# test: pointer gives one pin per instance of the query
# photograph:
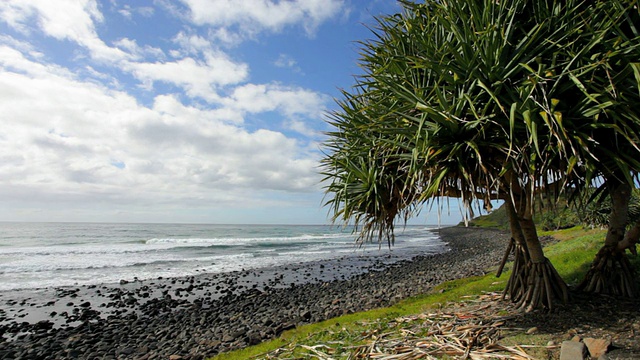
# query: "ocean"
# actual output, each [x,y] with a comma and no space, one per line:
[42,255]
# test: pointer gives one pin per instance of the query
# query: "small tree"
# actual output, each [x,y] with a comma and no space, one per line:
[485,99]
[455,102]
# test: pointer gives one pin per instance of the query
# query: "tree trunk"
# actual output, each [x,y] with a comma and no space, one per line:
[537,283]
[611,272]
[630,239]
[517,280]
[544,284]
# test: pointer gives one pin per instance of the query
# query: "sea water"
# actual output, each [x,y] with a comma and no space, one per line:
[38,255]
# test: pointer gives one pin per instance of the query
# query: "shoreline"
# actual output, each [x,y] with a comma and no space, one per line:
[58,304]
[199,316]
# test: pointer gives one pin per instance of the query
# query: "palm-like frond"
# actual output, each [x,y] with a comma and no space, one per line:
[456,95]
[364,177]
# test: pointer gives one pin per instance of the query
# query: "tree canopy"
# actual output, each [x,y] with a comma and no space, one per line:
[482,100]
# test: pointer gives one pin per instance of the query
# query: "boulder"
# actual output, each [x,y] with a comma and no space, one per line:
[573,350]
[597,347]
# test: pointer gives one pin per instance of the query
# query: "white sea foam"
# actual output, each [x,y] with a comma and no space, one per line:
[246,241]
[42,255]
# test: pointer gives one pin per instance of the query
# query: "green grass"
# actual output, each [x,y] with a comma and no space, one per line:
[496,219]
[349,328]
[560,216]
[571,256]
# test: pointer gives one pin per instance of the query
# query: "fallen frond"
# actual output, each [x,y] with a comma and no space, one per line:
[467,333]
[471,329]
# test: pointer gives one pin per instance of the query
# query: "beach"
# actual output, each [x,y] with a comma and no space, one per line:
[198,316]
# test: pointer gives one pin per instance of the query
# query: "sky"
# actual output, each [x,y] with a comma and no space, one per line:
[183,111]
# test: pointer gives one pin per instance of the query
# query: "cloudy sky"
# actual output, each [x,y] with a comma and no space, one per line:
[171,110]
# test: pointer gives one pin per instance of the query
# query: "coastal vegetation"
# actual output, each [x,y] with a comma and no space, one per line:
[518,100]
[571,252]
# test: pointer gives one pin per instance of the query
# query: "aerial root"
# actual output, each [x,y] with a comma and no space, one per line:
[536,285]
[517,280]
[512,243]
[610,273]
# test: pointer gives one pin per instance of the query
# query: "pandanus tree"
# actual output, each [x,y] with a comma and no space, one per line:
[600,90]
[464,99]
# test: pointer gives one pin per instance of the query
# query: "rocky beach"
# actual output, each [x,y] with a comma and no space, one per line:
[199,316]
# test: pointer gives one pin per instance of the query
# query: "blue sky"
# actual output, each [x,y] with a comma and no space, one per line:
[200,111]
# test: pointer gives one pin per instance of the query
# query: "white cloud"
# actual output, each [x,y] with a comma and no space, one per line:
[286,61]
[139,52]
[128,11]
[63,20]
[23,46]
[226,36]
[14,60]
[146,11]
[256,98]
[192,44]
[302,127]
[16,14]
[65,139]
[77,134]
[198,78]
[251,16]
[198,69]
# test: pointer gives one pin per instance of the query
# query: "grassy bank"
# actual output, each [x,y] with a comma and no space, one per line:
[571,255]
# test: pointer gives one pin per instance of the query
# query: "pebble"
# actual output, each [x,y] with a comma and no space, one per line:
[161,324]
